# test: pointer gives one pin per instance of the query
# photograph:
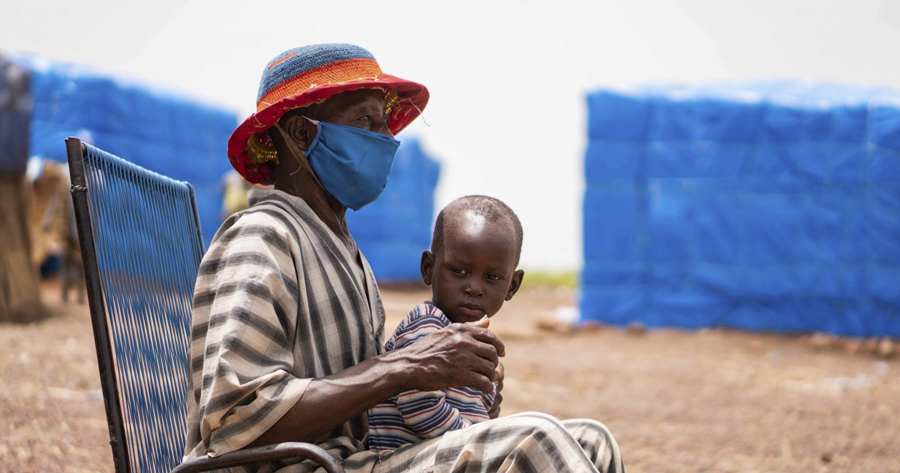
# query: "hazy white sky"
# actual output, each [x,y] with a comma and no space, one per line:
[507,78]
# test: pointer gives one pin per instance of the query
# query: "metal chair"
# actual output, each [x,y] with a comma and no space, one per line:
[141,245]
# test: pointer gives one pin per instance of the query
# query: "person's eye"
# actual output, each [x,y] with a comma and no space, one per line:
[458,271]
[492,277]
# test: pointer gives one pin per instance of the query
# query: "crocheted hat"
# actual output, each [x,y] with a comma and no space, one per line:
[307,75]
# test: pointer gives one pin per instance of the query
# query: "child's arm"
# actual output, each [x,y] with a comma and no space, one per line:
[429,414]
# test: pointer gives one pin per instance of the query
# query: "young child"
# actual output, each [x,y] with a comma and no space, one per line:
[471,269]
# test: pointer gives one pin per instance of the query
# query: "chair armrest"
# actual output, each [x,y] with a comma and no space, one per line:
[263,454]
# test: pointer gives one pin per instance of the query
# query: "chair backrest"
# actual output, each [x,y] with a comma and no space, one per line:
[141,245]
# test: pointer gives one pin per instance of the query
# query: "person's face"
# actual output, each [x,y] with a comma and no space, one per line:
[474,272]
[364,109]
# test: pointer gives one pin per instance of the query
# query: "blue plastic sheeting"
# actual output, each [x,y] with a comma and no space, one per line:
[16,105]
[171,135]
[394,230]
[767,206]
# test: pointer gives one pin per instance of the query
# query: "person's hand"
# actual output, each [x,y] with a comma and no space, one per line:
[460,355]
[494,411]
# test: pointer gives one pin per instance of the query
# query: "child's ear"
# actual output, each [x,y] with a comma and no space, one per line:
[515,283]
[427,267]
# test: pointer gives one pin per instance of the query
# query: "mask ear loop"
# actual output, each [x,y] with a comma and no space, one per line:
[421,114]
[298,154]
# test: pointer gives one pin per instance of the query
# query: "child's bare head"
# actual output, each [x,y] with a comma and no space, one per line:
[474,253]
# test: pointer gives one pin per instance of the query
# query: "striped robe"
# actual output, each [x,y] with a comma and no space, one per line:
[279,300]
[413,416]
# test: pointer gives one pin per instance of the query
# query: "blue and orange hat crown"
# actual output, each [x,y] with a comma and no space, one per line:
[310,74]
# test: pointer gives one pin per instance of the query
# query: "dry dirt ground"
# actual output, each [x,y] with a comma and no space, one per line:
[677,401]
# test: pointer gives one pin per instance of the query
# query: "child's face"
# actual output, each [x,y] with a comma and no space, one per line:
[474,272]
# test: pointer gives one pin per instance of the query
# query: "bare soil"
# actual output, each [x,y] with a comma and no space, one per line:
[677,401]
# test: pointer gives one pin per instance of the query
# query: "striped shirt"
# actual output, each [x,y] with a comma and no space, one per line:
[413,416]
[279,300]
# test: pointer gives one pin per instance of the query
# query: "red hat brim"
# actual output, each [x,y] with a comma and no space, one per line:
[412,100]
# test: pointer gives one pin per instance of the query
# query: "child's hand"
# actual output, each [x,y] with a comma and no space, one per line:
[494,410]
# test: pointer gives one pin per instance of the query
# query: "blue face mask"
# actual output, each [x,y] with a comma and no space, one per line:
[351,164]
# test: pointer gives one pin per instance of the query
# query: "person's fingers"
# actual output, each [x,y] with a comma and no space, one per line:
[486,336]
[484,366]
[487,352]
[483,384]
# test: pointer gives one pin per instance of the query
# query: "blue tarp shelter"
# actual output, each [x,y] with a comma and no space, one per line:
[157,130]
[766,206]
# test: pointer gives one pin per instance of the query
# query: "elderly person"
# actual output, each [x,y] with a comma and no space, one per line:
[287,319]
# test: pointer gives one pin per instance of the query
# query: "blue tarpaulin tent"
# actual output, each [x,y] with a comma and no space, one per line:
[766,206]
[157,130]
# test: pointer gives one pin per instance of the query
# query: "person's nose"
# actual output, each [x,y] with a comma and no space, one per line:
[384,127]
[474,288]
